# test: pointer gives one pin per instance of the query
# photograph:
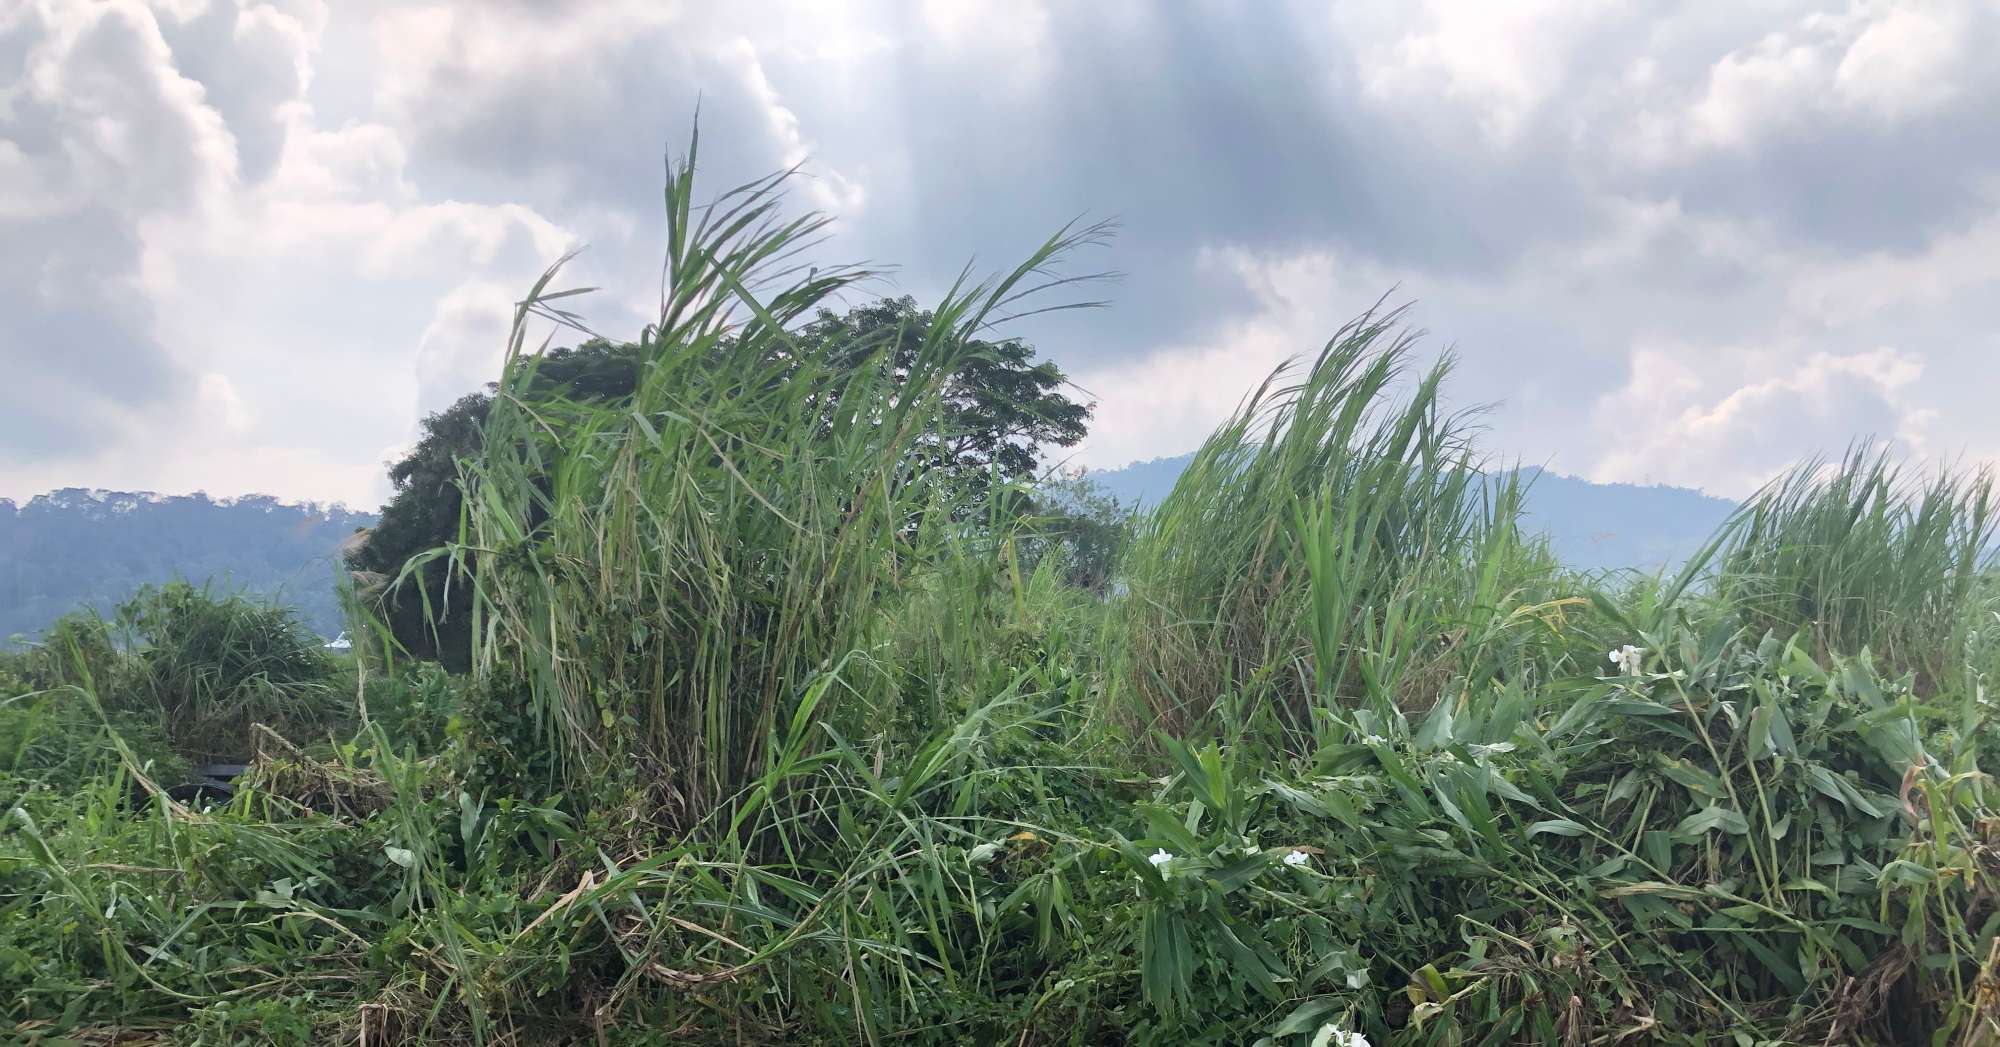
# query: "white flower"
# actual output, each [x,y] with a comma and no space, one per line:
[1297,858]
[1331,1035]
[1160,858]
[1628,659]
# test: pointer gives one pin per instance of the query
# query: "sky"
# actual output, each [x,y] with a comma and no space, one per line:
[247,245]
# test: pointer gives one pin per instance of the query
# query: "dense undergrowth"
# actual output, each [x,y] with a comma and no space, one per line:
[773,736]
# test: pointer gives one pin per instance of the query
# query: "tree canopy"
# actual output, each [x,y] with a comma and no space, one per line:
[423,513]
[1002,407]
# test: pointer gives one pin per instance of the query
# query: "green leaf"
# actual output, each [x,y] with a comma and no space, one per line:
[1700,781]
[1609,866]
[1710,819]
[1162,825]
[1760,732]
[1907,873]
[1307,1016]
[1659,848]
[1839,788]
[1239,872]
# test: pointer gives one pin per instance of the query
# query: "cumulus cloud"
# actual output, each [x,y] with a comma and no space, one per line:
[1686,244]
[1676,423]
[461,348]
[101,135]
[253,62]
[203,249]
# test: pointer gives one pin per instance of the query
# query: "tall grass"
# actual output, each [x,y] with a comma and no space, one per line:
[1859,554]
[665,580]
[1323,548]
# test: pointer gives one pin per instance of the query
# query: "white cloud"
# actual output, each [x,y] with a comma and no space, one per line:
[1670,242]
[1882,64]
[463,346]
[219,400]
[1842,289]
[829,188]
[1905,61]
[202,289]
[1677,422]
[1501,60]
[129,130]
[1749,91]
[1167,402]
[104,137]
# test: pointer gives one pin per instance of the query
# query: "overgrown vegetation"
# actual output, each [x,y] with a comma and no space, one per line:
[774,732]
[996,411]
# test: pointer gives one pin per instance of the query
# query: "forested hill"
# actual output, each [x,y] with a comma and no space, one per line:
[75,546]
[1591,526]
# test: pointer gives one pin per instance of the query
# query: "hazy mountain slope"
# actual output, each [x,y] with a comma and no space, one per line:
[74,547]
[1590,525]
[1593,525]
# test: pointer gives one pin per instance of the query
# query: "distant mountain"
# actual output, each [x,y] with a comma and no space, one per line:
[1590,526]
[1141,482]
[1594,526]
[77,547]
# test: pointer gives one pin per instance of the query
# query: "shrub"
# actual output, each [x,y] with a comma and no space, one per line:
[210,666]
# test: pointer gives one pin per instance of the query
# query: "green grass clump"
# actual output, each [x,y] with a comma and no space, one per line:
[178,676]
[210,666]
[1861,555]
[1331,545]
[666,578]
[775,736]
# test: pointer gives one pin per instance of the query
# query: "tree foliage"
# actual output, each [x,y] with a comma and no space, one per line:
[430,614]
[1001,408]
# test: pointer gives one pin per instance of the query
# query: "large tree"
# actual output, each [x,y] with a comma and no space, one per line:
[1002,408]
[423,513]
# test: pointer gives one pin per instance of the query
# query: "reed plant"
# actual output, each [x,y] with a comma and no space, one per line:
[665,579]
[1861,554]
[1333,544]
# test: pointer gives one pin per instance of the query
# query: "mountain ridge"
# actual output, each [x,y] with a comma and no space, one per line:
[83,546]
[92,547]
[1591,526]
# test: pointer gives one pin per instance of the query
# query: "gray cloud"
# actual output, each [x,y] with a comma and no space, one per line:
[76,341]
[96,133]
[250,62]
[1193,126]
[1769,198]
